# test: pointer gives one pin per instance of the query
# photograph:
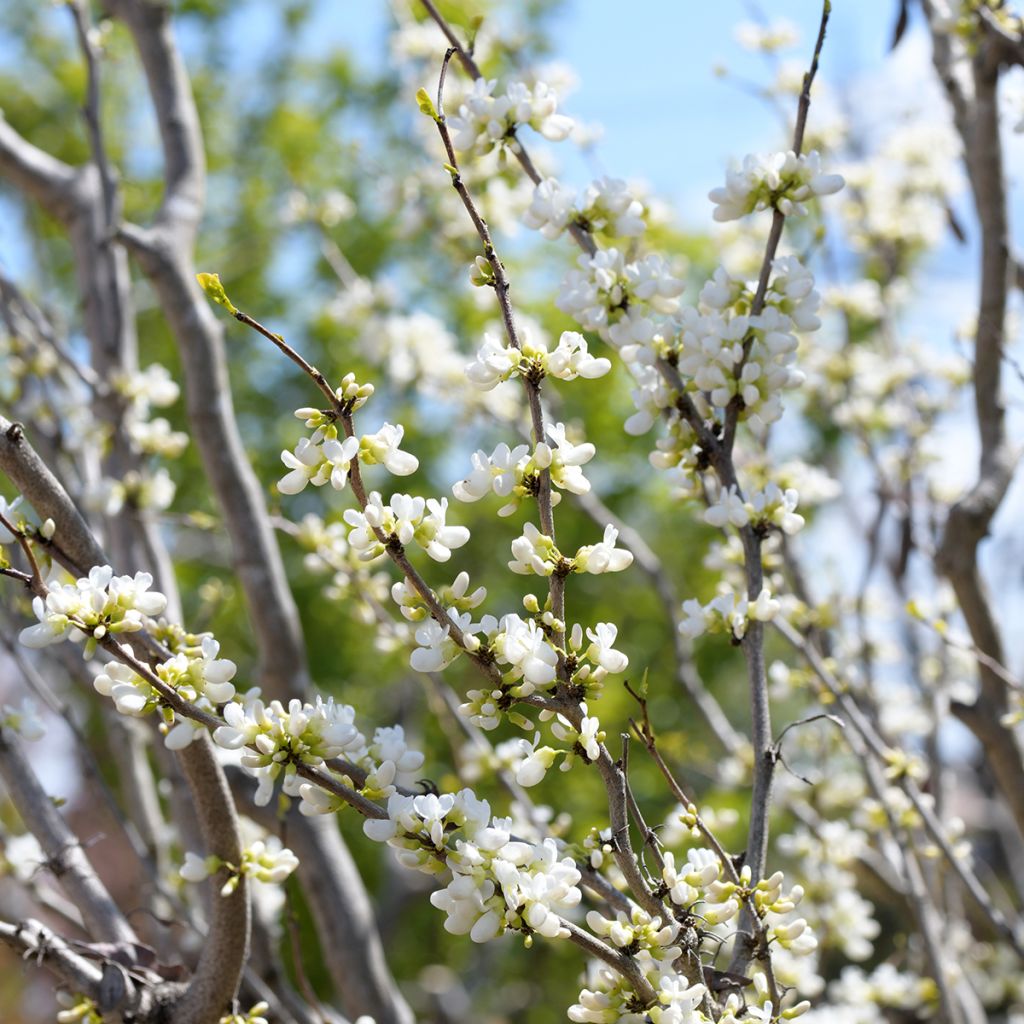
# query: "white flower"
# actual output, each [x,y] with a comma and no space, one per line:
[485,121]
[494,362]
[534,552]
[196,868]
[781,181]
[572,359]
[9,512]
[603,557]
[589,735]
[601,651]
[152,386]
[24,721]
[606,206]
[382,447]
[409,519]
[155,437]
[101,602]
[283,736]
[564,460]
[535,764]
[500,471]
[268,861]
[523,646]
[552,208]
[776,507]
[687,884]
[318,464]
[729,612]
[436,649]
[729,508]
[131,694]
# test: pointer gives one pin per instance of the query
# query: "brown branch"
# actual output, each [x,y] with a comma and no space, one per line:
[165,254]
[556,581]
[976,116]
[214,983]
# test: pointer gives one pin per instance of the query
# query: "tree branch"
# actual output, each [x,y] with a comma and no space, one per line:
[214,983]
[66,858]
[35,942]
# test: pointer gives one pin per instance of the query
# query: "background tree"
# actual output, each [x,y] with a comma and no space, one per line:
[822,743]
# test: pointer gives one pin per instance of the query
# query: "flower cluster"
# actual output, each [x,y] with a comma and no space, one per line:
[608,999]
[770,507]
[23,721]
[277,737]
[729,612]
[614,297]
[840,916]
[606,206]
[408,520]
[514,473]
[777,181]
[486,120]
[138,488]
[93,607]
[496,362]
[497,883]
[534,552]
[195,673]
[323,458]
[265,860]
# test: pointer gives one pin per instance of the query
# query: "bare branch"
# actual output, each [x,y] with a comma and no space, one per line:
[73,545]
[215,980]
[64,853]
[165,253]
[49,181]
[35,942]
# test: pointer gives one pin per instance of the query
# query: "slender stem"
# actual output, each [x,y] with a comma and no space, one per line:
[35,579]
[531,384]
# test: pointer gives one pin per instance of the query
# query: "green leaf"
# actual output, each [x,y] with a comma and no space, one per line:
[210,283]
[426,104]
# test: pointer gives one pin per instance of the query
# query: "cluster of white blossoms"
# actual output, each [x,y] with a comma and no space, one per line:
[609,999]
[265,860]
[606,206]
[93,607]
[194,672]
[496,361]
[535,553]
[497,883]
[899,197]
[730,612]
[776,181]
[143,390]
[22,360]
[770,507]
[840,916]
[455,597]
[407,520]
[143,487]
[616,298]
[486,121]
[324,458]
[514,473]
[140,489]
[275,738]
